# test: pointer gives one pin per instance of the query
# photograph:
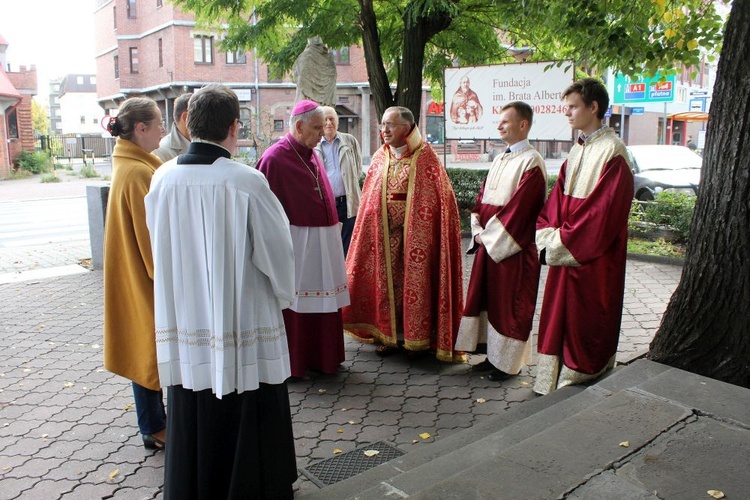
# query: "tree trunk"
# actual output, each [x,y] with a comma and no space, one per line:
[376,74]
[706,328]
[417,33]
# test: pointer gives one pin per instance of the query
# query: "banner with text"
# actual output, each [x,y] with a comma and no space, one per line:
[474,96]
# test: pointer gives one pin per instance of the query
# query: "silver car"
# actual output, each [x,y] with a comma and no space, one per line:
[660,168]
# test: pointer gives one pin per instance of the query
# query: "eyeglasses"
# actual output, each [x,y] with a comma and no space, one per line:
[390,125]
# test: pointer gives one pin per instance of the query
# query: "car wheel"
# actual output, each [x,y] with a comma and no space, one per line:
[645,195]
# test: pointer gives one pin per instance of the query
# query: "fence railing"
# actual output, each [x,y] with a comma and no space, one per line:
[72,147]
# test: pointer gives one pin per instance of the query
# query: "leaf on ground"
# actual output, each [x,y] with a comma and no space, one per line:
[343,409]
[95,346]
[336,451]
[68,385]
[321,391]
[128,406]
[481,400]
[352,422]
[524,383]
[425,435]
[26,370]
[44,436]
[114,473]
[414,441]
[624,444]
[716,493]
[371,453]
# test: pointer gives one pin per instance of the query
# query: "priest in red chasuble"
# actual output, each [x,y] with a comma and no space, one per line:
[404,263]
[504,279]
[581,234]
[296,176]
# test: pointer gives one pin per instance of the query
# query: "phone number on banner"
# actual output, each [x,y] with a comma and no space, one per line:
[549,109]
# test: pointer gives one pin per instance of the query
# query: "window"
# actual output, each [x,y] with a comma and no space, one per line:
[116,61]
[161,54]
[79,79]
[203,49]
[132,11]
[83,120]
[159,3]
[114,17]
[278,125]
[134,59]
[92,80]
[94,121]
[341,56]
[13,124]
[237,57]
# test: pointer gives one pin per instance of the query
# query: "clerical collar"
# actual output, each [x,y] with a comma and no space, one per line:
[587,138]
[203,141]
[519,146]
[399,151]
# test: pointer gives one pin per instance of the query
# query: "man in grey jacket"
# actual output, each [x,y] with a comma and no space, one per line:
[177,141]
[342,158]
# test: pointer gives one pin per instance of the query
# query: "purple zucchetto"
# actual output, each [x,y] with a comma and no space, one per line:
[303,107]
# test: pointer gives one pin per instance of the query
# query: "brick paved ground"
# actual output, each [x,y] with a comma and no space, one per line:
[68,427]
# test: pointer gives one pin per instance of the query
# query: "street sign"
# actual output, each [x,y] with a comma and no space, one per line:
[697,104]
[637,111]
[608,113]
[696,93]
[638,89]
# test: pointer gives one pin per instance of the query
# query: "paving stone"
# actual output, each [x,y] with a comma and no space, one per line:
[48,489]
[454,421]
[142,493]
[73,469]
[61,449]
[454,406]
[372,433]
[308,429]
[386,403]
[87,491]
[325,448]
[12,487]
[418,391]
[417,420]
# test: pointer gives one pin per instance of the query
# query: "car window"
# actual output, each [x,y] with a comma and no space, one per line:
[664,157]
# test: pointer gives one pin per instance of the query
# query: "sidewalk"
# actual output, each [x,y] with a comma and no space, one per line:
[68,427]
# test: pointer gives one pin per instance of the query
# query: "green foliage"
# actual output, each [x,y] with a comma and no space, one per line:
[630,36]
[466,184]
[88,171]
[671,209]
[39,118]
[659,247]
[49,177]
[551,181]
[35,163]
[20,174]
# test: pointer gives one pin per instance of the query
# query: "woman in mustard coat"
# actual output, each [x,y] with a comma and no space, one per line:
[129,338]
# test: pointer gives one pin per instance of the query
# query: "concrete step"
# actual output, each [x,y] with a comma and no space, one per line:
[425,467]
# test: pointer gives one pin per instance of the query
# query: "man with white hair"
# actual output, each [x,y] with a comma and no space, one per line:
[343,162]
[313,323]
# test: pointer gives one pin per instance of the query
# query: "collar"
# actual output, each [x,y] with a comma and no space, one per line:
[519,145]
[203,141]
[203,153]
[335,138]
[583,139]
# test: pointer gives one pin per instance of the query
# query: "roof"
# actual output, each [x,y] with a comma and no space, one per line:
[6,87]
[690,116]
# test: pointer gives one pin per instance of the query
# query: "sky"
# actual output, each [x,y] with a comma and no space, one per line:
[55,35]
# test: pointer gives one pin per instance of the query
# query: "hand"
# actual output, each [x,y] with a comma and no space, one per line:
[478,239]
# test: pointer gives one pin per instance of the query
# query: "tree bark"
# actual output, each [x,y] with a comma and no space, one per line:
[376,74]
[416,35]
[706,327]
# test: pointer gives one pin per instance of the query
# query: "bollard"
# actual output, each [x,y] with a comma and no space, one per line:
[96,197]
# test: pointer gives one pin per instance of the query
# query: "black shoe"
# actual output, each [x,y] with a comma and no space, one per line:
[151,442]
[498,376]
[415,355]
[484,366]
[385,350]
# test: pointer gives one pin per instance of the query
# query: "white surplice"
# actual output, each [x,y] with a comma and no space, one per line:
[223,271]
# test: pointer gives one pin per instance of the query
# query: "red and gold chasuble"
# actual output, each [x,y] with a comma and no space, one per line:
[404,263]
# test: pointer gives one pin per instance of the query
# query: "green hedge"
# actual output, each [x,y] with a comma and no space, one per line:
[671,210]
[36,163]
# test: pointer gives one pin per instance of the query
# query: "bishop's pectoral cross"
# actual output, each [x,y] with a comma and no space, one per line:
[317,188]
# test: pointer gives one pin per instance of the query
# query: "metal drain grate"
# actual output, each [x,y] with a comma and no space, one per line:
[343,466]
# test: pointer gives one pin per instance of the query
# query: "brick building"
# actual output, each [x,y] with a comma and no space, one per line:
[17,89]
[149,47]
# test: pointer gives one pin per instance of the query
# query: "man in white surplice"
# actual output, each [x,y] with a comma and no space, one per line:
[223,272]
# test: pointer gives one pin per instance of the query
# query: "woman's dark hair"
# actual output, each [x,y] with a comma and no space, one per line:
[134,110]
